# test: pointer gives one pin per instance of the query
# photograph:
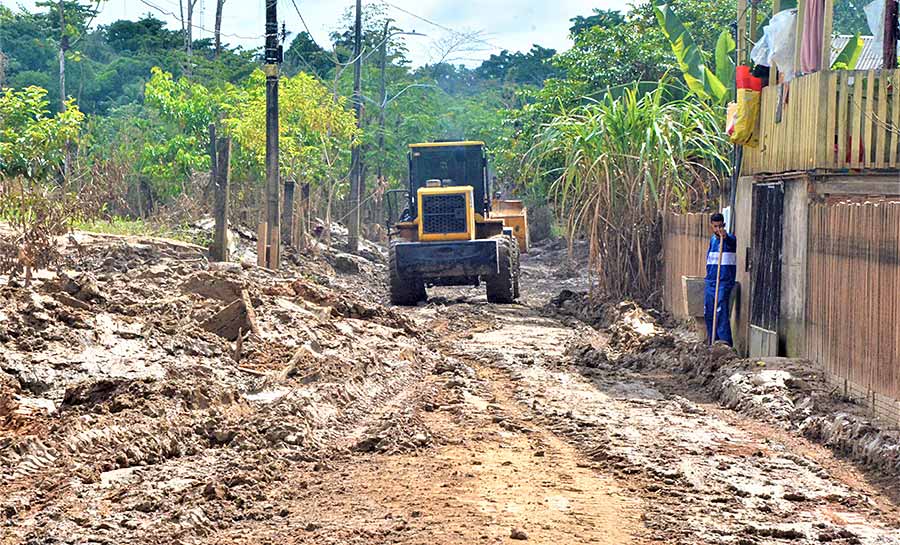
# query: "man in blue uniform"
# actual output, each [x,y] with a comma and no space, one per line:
[728,244]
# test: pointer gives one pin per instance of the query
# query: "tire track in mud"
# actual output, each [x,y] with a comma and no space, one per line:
[703,478]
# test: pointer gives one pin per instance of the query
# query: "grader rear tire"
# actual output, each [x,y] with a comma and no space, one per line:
[405,291]
[501,286]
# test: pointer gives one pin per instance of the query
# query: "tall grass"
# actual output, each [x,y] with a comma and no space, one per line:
[617,166]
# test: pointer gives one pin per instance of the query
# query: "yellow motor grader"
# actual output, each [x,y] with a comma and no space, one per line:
[448,230]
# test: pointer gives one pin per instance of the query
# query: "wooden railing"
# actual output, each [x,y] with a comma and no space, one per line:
[847,119]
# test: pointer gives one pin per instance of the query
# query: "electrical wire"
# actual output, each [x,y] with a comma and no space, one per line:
[445,28]
[178,17]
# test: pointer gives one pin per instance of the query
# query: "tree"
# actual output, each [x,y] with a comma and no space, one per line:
[72,21]
[147,34]
[601,17]
[532,68]
[304,54]
[32,140]
[187,23]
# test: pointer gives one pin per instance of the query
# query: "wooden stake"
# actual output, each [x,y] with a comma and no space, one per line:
[261,233]
[287,214]
[219,249]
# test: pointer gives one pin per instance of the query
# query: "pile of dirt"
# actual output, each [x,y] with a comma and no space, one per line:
[181,386]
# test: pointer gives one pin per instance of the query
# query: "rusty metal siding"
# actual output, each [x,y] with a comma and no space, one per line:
[853,299]
[685,242]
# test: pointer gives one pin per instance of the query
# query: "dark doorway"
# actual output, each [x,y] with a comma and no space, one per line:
[765,271]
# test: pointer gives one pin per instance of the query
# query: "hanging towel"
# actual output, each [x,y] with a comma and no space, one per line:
[811,45]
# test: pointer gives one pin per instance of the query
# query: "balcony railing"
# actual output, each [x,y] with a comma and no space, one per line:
[832,120]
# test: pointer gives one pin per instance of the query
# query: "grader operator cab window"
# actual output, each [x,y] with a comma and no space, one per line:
[453,166]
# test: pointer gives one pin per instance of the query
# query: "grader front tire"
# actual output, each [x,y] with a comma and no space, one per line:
[405,291]
[501,286]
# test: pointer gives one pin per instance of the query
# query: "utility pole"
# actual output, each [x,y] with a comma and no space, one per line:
[382,99]
[356,153]
[273,56]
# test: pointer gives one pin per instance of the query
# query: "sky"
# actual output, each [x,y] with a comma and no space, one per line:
[503,24]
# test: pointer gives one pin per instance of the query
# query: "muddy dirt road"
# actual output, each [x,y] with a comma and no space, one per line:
[125,419]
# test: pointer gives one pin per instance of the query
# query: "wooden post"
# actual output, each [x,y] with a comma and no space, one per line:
[889,47]
[213,158]
[261,238]
[219,249]
[287,214]
[773,70]
[273,185]
[741,38]
[303,217]
[827,23]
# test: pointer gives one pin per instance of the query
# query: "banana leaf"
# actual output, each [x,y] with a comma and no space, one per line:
[725,66]
[700,79]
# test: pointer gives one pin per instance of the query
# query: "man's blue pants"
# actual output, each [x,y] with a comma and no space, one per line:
[723,322]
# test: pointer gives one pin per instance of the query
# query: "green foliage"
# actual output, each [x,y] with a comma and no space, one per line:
[699,78]
[847,58]
[531,68]
[305,55]
[316,132]
[32,139]
[725,65]
[184,110]
[122,226]
[617,164]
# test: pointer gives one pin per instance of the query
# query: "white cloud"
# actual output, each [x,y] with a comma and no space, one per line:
[506,24]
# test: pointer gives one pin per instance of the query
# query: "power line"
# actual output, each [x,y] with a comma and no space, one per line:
[442,27]
[302,20]
[178,17]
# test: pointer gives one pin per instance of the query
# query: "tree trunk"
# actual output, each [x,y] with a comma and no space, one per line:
[379,176]
[889,46]
[218,30]
[63,43]
[188,26]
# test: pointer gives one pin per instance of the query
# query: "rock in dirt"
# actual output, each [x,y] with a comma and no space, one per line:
[213,286]
[518,533]
[82,287]
[346,264]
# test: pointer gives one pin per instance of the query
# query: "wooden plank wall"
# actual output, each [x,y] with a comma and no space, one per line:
[853,299]
[685,241]
[846,119]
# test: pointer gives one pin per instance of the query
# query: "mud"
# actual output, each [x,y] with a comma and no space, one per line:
[130,414]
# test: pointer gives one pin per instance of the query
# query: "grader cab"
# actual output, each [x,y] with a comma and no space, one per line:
[448,233]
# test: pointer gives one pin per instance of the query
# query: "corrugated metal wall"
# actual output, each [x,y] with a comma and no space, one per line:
[853,299]
[685,241]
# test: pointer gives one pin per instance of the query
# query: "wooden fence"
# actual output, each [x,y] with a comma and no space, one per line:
[853,299]
[685,241]
[829,120]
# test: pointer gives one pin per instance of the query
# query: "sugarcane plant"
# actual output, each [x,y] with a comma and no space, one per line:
[618,164]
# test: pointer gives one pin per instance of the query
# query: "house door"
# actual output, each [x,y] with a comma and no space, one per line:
[765,268]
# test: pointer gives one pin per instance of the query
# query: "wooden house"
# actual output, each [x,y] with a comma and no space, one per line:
[817,213]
